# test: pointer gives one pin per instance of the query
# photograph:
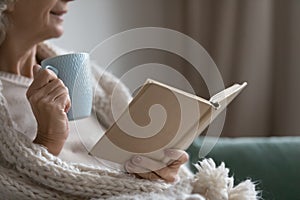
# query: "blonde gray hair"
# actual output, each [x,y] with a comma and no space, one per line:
[3,18]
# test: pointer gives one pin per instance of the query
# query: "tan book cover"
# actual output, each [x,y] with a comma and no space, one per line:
[160,117]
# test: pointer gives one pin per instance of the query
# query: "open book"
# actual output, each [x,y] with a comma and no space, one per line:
[160,117]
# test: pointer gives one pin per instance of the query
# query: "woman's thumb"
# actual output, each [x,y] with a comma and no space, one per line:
[36,69]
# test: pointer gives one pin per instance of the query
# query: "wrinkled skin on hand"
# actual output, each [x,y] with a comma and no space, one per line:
[150,169]
[50,101]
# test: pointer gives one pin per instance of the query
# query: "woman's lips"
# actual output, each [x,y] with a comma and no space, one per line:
[58,14]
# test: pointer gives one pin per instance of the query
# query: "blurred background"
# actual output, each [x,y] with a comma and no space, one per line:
[257,41]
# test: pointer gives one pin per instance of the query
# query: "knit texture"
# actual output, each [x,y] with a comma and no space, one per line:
[29,171]
[14,90]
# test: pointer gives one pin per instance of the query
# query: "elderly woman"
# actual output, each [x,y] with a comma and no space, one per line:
[25,24]
[35,136]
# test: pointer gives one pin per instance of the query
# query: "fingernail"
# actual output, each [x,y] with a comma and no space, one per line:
[137,159]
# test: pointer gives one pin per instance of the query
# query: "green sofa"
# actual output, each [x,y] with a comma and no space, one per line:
[272,163]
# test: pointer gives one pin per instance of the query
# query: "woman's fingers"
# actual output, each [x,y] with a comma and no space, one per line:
[47,89]
[36,69]
[150,169]
[64,101]
[152,176]
[167,174]
[53,95]
[41,79]
[141,172]
[132,168]
[57,92]
[178,156]
[170,173]
[147,164]
[50,87]
[36,95]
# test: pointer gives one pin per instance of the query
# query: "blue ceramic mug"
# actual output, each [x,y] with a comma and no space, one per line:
[74,70]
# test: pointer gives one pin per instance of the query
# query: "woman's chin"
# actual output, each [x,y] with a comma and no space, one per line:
[57,32]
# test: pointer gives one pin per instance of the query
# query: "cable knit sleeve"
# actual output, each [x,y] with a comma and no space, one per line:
[5,117]
[110,94]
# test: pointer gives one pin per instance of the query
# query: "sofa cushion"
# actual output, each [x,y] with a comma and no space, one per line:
[273,163]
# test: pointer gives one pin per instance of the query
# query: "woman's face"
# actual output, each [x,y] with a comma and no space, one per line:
[38,19]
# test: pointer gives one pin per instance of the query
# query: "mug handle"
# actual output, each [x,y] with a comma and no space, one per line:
[52,69]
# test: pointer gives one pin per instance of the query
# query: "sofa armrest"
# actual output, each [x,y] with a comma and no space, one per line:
[273,163]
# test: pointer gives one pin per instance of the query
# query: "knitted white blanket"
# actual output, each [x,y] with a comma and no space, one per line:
[28,171]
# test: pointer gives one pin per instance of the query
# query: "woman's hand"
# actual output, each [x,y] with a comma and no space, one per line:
[153,170]
[50,101]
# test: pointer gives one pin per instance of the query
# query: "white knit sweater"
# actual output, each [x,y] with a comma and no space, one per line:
[28,171]
[77,144]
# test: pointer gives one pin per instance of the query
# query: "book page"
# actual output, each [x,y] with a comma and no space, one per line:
[226,96]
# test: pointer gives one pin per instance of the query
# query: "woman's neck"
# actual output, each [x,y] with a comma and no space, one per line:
[17,57]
